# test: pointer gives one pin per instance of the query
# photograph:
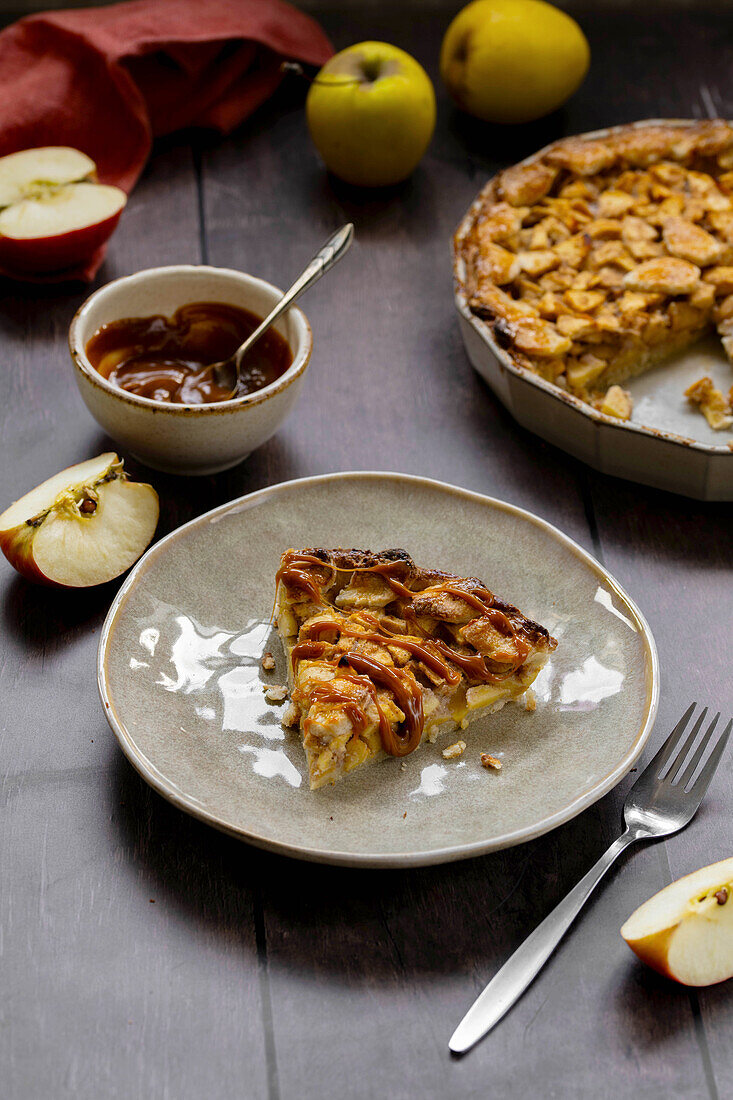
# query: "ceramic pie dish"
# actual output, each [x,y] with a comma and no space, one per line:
[528,333]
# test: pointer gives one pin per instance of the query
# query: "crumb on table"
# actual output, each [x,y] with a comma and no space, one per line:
[268,662]
[489,761]
[276,693]
[452,751]
[530,700]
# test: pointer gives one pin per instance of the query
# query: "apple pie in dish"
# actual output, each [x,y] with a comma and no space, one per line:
[382,654]
[604,254]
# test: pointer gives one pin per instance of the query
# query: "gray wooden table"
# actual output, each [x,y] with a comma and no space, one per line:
[144,955]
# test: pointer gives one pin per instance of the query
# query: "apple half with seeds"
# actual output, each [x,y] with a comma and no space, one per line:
[53,213]
[82,527]
[686,930]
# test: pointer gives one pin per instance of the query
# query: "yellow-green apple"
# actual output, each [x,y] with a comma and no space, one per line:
[371,114]
[686,930]
[53,213]
[83,526]
[512,60]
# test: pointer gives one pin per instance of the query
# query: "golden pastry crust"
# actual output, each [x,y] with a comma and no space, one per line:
[603,255]
[383,653]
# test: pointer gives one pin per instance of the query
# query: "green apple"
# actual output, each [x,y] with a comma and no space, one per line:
[371,114]
[512,61]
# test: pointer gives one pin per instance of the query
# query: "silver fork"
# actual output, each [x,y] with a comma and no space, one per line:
[663,800]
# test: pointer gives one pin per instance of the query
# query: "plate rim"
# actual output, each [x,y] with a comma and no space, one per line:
[483,330]
[378,860]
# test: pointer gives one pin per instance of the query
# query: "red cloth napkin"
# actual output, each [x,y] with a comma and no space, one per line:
[108,80]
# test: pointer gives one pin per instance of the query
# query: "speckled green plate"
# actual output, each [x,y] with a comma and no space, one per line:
[183,689]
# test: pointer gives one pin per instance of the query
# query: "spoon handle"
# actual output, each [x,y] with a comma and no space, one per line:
[331,252]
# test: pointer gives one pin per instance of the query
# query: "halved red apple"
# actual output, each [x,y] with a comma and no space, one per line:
[53,212]
[686,930]
[82,527]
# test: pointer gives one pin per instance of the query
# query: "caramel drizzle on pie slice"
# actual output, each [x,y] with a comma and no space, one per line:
[418,649]
[407,695]
[481,601]
[385,728]
[292,576]
[330,694]
[434,653]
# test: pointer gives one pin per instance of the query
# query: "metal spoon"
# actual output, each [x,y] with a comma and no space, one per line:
[226,373]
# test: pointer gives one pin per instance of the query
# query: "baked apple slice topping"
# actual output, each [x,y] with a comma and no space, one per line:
[84,526]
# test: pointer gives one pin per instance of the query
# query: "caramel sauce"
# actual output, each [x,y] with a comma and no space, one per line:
[433,652]
[407,695]
[405,690]
[497,618]
[300,578]
[397,587]
[420,650]
[293,557]
[385,729]
[474,665]
[480,599]
[330,694]
[307,651]
[292,576]
[167,358]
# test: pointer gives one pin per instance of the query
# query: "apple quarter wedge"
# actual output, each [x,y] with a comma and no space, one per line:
[686,930]
[81,527]
[53,213]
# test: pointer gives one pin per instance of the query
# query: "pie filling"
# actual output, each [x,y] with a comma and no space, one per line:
[383,654]
[601,257]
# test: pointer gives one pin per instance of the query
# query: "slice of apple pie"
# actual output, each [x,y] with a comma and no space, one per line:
[604,254]
[382,654]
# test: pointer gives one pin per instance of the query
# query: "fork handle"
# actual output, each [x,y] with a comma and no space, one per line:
[519,970]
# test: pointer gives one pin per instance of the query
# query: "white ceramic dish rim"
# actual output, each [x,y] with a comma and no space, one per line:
[444,854]
[296,368]
[484,331]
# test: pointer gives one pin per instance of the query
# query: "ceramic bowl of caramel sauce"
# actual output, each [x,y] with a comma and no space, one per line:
[140,347]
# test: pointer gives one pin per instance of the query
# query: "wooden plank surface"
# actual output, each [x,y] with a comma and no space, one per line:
[127,938]
[146,955]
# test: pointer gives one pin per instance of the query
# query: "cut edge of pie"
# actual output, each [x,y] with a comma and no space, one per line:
[383,654]
[603,254]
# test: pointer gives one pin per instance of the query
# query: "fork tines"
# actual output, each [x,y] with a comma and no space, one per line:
[671,762]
